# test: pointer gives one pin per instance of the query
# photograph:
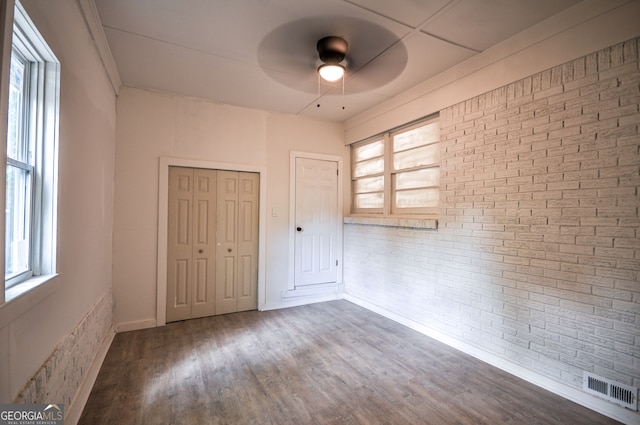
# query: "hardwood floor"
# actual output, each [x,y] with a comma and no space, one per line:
[328,363]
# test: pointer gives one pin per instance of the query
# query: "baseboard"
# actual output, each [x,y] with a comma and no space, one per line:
[570,393]
[135,325]
[72,415]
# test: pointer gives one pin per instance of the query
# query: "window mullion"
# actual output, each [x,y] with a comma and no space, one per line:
[388,169]
[20,164]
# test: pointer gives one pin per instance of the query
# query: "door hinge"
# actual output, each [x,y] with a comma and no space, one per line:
[337,172]
[336,262]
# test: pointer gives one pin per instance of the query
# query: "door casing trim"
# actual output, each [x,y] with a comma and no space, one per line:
[163,211]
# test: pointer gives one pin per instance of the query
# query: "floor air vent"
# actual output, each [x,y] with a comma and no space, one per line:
[615,392]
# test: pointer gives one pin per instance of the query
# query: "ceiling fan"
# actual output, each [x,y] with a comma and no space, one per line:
[332,51]
[367,54]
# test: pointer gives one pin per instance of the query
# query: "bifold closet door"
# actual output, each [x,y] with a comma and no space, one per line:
[191,254]
[237,241]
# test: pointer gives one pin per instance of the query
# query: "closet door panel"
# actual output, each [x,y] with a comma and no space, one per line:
[226,246]
[179,244]
[248,200]
[204,247]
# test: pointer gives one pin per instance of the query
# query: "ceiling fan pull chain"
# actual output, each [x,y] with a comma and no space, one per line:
[342,91]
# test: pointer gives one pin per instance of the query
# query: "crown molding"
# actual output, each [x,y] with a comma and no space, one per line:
[94,25]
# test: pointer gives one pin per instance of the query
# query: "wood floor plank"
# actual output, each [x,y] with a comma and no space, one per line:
[328,364]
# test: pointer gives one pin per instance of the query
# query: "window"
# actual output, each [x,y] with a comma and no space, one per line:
[20,179]
[398,172]
[31,148]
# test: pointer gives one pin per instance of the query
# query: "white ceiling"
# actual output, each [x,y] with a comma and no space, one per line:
[262,54]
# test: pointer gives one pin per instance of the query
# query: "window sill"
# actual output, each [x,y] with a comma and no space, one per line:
[387,221]
[24,296]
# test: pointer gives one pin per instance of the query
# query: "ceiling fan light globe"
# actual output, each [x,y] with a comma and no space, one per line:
[331,72]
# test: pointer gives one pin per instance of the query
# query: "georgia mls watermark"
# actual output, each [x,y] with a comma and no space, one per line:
[31,414]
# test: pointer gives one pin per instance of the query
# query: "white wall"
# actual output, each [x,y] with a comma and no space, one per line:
[152,125]
[85,202]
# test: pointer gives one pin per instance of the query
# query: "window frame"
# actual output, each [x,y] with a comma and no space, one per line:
[389,208]
[41,128]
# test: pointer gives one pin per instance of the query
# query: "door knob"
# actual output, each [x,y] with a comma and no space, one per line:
[200,251]
[229,250]
[299,229]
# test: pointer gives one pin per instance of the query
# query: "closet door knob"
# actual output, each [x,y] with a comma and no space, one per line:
[299,229]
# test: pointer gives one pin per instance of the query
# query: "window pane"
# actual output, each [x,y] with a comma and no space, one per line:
[419,178]
[420,136]
[369,184]
[417,198]
[17,221]
[425,155]
[366,168]
[368,151]
[15,140]
[369,200]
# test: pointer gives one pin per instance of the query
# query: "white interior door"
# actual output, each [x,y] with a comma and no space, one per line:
[317,222]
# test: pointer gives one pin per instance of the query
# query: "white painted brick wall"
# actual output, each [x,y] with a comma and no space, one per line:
[537,254]
[60,377]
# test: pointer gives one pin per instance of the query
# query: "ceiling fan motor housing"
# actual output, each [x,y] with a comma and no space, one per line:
[332,49]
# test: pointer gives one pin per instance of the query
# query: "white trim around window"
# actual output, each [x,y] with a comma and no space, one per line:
[38,157]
